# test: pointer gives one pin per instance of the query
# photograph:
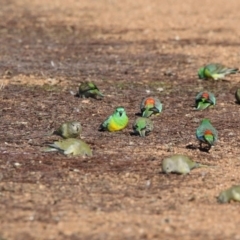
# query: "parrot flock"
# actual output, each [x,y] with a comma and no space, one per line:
[150,106]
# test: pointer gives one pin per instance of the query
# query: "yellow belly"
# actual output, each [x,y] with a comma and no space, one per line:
[112,126]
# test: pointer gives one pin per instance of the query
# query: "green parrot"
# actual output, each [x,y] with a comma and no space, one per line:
[142,126]
[179,164]
[150,106]
[116,122]
[89,89]
[206,133]
[237,95]
[70,146]
[232,193]
[215,71]
[204,99]
[69,130]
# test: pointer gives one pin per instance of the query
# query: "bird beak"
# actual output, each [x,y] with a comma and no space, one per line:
[120,113]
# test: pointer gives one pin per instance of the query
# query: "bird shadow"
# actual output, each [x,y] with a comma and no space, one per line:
[87,97]
[204,149]
[138,114]
[194,147]
[133,133]
[225,80]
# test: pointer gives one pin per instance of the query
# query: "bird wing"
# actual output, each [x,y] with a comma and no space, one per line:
[212,98]
[158,104]
[105,123]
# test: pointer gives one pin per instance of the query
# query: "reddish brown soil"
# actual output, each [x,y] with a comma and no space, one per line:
[130,49]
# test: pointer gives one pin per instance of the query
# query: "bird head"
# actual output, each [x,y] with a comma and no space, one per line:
[149,101]
[167,165]
[136,128]
[76,126]
[223,197]
[205,95]
[119,111]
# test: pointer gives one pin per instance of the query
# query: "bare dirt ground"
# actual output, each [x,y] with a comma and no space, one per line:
[130,49]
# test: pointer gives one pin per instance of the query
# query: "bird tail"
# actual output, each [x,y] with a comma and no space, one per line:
[209,138]
[155,110]
[149,111]
[49,149]
[232,70]
[202,106]
[50,133]
[100,94]
[101,128]
[199,165]
[142,133]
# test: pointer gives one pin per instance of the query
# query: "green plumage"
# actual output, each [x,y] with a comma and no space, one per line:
[70,146]
[117,121]
[89,89]
[179,164]
[150,106]
[69,130]
[206,133]
[232,193]
[204,100]
[215,71]
[142,126]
